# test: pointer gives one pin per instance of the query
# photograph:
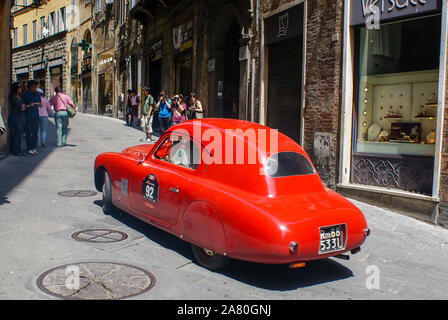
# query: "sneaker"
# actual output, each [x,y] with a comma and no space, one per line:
[30,152]
[34,151]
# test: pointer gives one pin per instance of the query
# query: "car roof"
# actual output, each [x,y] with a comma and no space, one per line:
[244,175]
[265,137]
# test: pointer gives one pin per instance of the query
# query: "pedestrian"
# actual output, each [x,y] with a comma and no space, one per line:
[147,112]
[197,112]
[18,119]
[59,102]
[128,114]
[178,109]
[135,103]
[44,111]
[165,113]
[31,99]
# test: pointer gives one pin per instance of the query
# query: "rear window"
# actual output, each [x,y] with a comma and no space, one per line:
[284,164]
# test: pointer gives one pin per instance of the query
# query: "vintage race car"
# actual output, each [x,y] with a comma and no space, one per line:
[233,189]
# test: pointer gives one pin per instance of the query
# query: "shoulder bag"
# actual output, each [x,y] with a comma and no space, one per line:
[70,110]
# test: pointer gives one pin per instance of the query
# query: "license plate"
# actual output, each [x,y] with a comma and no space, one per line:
[331,238]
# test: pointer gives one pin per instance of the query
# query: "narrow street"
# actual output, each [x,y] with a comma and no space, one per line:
[402,259]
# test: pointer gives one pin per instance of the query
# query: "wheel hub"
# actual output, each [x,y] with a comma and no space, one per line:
[208,252]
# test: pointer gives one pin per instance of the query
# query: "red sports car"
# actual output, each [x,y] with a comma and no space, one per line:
[233,189]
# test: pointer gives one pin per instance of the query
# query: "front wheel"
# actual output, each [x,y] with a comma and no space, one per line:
[209,259]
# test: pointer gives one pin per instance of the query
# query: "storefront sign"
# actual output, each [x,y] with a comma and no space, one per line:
[22,70]
[55,70]
[155,50]
[363,10]
[284,25]
[56,62]
[39,66]
[183,37]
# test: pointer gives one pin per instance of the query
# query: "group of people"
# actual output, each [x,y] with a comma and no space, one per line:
[160,114]
[29,116]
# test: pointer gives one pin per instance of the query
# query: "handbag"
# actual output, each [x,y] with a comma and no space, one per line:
[70,110]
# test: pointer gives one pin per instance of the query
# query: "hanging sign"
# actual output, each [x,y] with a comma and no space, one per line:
[183,37]
[364,10]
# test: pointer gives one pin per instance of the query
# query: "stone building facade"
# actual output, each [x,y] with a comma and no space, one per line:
[79,54]
[39,44]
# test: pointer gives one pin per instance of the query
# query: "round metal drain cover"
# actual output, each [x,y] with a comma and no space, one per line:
[96,281]
[99,235]
[77,193]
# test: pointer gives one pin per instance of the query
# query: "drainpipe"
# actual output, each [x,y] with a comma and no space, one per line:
[252,94]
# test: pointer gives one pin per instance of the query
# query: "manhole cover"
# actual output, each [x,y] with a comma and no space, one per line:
[99,235]
[77,193]
[96,281]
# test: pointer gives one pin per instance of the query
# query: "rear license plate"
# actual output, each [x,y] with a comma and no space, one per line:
[331,238]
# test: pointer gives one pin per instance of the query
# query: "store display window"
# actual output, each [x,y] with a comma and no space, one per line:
[397,87]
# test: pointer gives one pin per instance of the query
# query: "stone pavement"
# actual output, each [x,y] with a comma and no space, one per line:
[44,250]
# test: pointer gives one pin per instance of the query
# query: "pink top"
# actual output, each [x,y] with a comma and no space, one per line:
[178,117]
[134,100]
[59,101]
[45,109]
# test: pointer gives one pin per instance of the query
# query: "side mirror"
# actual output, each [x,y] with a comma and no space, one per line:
[141,157]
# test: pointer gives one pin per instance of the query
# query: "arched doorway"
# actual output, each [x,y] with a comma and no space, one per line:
[226,99]
[86,77]
[74,76]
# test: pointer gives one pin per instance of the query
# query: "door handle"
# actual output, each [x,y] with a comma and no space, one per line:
[174,190]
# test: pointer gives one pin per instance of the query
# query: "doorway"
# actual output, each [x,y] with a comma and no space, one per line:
[231,85]
[285,86]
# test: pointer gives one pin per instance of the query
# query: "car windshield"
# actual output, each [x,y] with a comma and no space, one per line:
[285,164]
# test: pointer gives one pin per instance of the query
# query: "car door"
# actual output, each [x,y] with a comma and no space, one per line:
[161,183]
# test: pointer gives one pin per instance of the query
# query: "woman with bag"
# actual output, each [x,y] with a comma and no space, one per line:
[59,102]
[197,112]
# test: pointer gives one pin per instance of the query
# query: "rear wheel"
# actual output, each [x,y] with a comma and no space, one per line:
[108,207]
[209,259]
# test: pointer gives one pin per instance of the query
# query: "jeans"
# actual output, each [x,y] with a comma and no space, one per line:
[19,128]
[31,130]
[42,136]
[61,121]
[164,123]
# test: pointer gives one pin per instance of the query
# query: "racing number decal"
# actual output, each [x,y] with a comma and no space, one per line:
[150,188]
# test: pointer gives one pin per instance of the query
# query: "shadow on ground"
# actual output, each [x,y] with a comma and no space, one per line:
[265,276]
[13,169]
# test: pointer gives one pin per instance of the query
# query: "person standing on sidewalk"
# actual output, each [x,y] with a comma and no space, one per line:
[197,112]
[59,102]
[147,111]
[18,119]
[135,103]
[165,113]
[31,98]
[128,113]
[44,111]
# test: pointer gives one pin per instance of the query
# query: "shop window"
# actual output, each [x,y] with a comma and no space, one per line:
[397,87]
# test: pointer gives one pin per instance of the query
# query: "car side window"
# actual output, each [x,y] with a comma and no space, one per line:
[179,150]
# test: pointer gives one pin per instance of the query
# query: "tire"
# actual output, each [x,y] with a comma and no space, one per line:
[208,259]
[108,207]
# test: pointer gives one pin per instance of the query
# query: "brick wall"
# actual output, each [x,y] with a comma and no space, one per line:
[443,193]
[324,29]
[323,81]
